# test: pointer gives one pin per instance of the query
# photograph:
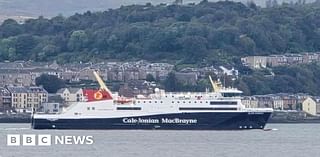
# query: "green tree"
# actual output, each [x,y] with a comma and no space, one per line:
[9,28]
[171,83]
[24,45]
[50,83]
[78,40]
[195,48]
[150,78]
[247,44]
[7,49]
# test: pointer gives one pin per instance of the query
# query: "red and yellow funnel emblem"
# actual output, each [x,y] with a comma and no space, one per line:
[98,95]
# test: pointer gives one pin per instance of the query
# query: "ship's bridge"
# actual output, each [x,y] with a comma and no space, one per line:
[230,92]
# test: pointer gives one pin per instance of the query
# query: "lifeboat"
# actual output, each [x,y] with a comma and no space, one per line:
[123,100]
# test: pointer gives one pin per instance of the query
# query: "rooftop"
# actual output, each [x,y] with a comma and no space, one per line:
[21,89]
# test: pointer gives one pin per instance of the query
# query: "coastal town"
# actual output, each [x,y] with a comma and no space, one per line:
[258,62]
[19,93]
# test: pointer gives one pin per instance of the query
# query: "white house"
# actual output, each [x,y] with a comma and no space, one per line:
[71,94]
[277,103]
[249,102]
[255,62]
[310,106]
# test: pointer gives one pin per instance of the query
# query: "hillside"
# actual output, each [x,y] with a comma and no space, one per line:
[213,33]
[204,34]
[287,79]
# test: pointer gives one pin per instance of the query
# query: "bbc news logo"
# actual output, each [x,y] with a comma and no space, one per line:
[47,140]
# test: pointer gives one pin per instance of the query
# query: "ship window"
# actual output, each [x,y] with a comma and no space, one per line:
[223,103]
[88,108]
[128,108]
[161,101]
[138,101]
[195,101]
[225,108]
[184,102]
[172,101]
[149,101]
[231,94]
[189,102]
[172,96]
[205,108]
[93,108]
[144,101]
[200,101]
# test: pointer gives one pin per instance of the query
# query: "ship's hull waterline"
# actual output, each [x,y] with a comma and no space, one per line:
[175,121]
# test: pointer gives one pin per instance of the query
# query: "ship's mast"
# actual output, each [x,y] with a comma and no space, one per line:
[216,86]
[101,83]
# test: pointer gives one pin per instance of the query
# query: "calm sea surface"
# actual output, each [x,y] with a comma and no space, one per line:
[290,140]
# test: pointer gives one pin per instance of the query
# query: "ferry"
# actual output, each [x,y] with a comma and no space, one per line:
[220,109]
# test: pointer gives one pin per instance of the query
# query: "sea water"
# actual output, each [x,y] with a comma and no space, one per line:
[284,140]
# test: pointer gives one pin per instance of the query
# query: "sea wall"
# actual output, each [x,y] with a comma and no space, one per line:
[15,118]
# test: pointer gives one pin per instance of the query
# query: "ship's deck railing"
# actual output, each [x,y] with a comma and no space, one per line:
[185,95]
[191,93]
[235,90]
[193,96]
